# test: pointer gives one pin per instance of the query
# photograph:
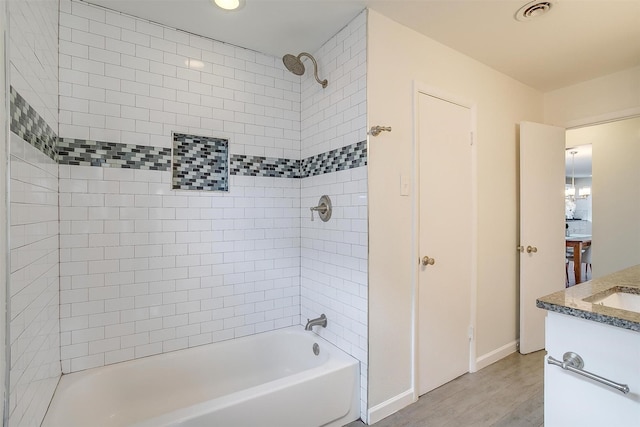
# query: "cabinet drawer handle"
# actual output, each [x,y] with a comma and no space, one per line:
[573,362]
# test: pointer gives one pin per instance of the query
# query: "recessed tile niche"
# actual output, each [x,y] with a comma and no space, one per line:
[200,163]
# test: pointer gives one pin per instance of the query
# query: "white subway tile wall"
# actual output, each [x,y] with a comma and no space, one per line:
[334,263]
[34,284]
[33,54]
[146,269]
[334,254]
[127,80]
[337,116]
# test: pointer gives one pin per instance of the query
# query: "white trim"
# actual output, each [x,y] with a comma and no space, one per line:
[419,87]
[391,406]
[603,118]
[414,245]
[495,355]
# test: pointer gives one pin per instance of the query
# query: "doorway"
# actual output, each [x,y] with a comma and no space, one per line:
[615,195]
[446,239]
[578,212]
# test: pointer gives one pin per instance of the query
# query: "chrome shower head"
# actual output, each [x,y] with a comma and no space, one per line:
[295,65]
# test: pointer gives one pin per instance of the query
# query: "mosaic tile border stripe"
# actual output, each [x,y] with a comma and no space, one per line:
[264,166]
[82,152]
[200,163]
[110,154]
[347,157]
[30,126]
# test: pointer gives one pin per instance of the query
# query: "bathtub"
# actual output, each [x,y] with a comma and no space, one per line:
[273,379]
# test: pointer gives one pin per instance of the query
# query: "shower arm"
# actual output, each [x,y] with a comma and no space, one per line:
[315,69]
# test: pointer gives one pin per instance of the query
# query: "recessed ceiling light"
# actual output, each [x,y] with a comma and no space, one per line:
[533,10]
[228,4]
[194,63]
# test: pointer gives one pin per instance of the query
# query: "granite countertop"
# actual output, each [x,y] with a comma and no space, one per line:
[572,302]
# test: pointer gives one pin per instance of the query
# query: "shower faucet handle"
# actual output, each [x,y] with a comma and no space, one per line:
[324,208]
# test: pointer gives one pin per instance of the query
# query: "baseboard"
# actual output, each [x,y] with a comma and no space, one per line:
[495,355]
[390,406]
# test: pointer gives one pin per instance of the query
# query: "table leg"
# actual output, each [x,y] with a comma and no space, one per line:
[577,262]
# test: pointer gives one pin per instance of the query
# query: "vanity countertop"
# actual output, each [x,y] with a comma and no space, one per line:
[571,300]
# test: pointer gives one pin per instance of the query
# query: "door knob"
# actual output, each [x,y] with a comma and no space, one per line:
[428,261]
[532,249]
[520,248]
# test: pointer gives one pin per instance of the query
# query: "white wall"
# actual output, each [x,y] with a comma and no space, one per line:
[34,55]
[605,98]
[615,193]
[145,269]
[334,253]
[34,264]
[34,283]
[398,56]
[4,151]
[127,80]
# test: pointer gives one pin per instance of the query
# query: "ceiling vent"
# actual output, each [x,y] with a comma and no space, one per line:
[533,10]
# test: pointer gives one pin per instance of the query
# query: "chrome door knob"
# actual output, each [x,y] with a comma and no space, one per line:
[428,261]
[532,249]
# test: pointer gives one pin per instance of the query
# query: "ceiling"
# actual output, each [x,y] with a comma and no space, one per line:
[576,41]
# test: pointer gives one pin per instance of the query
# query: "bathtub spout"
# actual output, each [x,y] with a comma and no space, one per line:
[320,321]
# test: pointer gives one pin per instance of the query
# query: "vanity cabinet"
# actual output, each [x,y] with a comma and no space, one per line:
[608,351]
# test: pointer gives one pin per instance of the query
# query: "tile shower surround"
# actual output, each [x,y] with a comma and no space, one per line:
[333,266]
[124,79]
[34,284]
[147,270]
[33,334]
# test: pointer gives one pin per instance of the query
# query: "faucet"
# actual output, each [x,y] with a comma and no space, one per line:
[320,321]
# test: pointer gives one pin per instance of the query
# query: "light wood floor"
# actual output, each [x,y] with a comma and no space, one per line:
[508,393]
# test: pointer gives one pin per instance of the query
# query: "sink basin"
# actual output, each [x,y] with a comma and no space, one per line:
[617,299]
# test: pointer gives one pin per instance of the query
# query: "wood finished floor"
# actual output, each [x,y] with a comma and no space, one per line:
[508,393]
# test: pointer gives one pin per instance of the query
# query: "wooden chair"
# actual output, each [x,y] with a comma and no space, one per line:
[586,259]
[568,257]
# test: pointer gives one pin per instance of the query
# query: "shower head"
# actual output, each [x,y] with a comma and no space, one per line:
[295,65]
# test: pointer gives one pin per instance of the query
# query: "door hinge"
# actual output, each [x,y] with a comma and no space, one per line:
[470,332]
[470,138]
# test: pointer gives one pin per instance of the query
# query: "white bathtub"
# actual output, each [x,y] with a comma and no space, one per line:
[272,379]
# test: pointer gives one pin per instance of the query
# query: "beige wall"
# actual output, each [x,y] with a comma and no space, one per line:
[616,152]
[398,56]
[608,97]
[616,194]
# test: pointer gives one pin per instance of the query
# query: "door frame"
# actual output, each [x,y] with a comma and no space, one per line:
[421,88]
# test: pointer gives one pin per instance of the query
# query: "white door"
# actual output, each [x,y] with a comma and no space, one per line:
[542,225]
[445,236]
